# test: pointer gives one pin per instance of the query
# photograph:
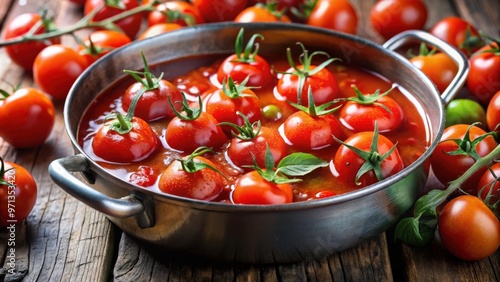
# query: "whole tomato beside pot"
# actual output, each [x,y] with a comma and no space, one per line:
[254,233]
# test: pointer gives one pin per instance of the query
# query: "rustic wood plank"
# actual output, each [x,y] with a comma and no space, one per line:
[482,14]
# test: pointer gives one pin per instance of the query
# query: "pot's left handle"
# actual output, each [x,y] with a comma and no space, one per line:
[458,57]
[130,206]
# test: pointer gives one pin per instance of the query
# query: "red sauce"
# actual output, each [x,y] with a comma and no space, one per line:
[196,75]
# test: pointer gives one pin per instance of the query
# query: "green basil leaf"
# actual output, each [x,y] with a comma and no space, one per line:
[299,164]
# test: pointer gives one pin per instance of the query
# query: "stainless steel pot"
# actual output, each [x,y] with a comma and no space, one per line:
[251,233]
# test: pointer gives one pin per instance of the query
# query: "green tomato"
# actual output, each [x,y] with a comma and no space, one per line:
[465,111]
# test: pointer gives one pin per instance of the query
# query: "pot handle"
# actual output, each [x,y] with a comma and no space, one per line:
[456,55]
[59,171]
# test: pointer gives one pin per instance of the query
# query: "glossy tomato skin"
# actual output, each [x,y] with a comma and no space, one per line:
[105,41]
[346,163]
[187,135]
[242,152]
[134,146]
[483,80]
[468,228]
[153,104]
[205,184]
[259,14]
[323,85]
[338,15]
[465,111]
[185,8]
[440,69]
[259,71]
[158,29]
[307,133]
[21,191]
[390,17]
[56,68]
[251,188]
[219,10]
[357,117]
[493,112]
[27,118]
[24,54]
[144,176]
[487,183]
[454,31]
[130,25]
[440,160]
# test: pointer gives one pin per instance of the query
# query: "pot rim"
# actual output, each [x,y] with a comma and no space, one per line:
[345,197]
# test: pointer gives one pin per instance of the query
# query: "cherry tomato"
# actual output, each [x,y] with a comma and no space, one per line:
[56,68]
[245,65]
[251,188]
[441,159]
[465,111]
[157,29]
[440,68]
[219,10]
[390,17]
[242,151]
[129,25]
[27,118]
[261,13]
[133,146]
[362,112]
[459,33]
[493,112]
[468,228]
[24,54]
[18,190]
[144,176]
[322,83]
[204,184]
[490,181]
[179,12]
[101,42]
[483,80]
[338,15]
[306,132]
[347,163]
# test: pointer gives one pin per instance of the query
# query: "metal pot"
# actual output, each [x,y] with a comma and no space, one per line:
[251,233]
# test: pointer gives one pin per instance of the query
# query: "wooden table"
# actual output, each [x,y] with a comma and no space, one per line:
[64,240]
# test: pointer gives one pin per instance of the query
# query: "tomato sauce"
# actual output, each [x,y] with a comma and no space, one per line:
[198,75]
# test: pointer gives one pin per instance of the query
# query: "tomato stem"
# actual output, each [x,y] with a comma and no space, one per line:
[246,55]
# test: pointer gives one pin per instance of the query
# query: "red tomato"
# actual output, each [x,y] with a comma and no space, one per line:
[362,112]
[56,68]
[179,12]
[493,112]
[441,159]
[158,29]
[136,145]
[260,14]
[130,25]
[483,80]
[459,33]
[24,54]
[219,10]
[205,184]
[187,135]
[338,15]
[322,83]
[347,163]
[468,228]
[306,132]
[282,5]
[390,17]
[18,191]
[251,188]
[27,118]
[153,103]
[490,181]
[440,68]
[101,42]
[144,176]
[242,151]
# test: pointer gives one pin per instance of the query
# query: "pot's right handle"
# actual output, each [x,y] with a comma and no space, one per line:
[458,57]
[130,206]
